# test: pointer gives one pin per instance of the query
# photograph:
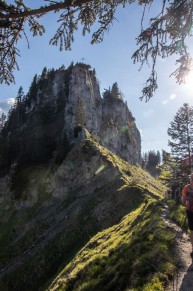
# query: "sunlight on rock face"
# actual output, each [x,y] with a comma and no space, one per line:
[101,168]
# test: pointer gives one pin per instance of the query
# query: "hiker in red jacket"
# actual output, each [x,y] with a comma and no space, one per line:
[187,201]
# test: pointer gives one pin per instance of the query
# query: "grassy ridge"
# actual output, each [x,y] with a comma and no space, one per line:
[129,245]
[63,247]
[132,255]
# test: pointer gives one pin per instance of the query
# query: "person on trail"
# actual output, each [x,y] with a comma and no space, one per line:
[187,201]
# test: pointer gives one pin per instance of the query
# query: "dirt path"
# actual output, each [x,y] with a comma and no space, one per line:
[183,280]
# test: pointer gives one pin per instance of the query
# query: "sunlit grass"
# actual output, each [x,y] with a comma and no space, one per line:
[132,255]
[177,213]
[99,257]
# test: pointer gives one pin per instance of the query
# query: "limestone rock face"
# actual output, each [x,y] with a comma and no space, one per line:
[119,132]
[46,124]
[84,105]
[108,119]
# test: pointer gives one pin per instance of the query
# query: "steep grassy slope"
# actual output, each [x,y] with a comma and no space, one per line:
[52,211]
[132,255]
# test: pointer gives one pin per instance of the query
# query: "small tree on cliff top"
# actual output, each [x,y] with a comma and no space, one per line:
[115,92]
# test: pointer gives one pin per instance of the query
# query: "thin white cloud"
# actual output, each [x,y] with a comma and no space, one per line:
[172,96]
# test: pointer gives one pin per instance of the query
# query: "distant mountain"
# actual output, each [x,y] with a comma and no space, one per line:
[45,123]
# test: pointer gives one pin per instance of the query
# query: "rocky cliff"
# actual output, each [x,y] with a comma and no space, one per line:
[107,118]
[46,122]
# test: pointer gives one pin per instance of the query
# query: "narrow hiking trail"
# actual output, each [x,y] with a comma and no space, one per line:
[183,279]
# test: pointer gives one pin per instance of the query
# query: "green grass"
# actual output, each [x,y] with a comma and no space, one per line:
[125,255]
[177,213]
[134,254]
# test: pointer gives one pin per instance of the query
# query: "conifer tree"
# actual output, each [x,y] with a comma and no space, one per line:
[44,73]
[144,160]
[167,168]
[33,88]
[114,92]
[19,104]
[3,119]
[19,97]
[107,93]
[181,134]
[153,158]
[151,161]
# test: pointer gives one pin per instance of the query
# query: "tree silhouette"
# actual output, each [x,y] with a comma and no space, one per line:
[168,168]
[115,92]
[166,35]
[19,97]
[181,134]
[33,88]
[151,161]
[19,106]
[3,119]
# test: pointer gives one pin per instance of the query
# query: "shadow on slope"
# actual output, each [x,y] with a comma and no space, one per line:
[59,208]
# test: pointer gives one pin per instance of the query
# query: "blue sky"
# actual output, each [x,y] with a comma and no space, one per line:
[112,61]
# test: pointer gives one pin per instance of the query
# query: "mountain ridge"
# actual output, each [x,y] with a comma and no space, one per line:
[59,222]
[66,187]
